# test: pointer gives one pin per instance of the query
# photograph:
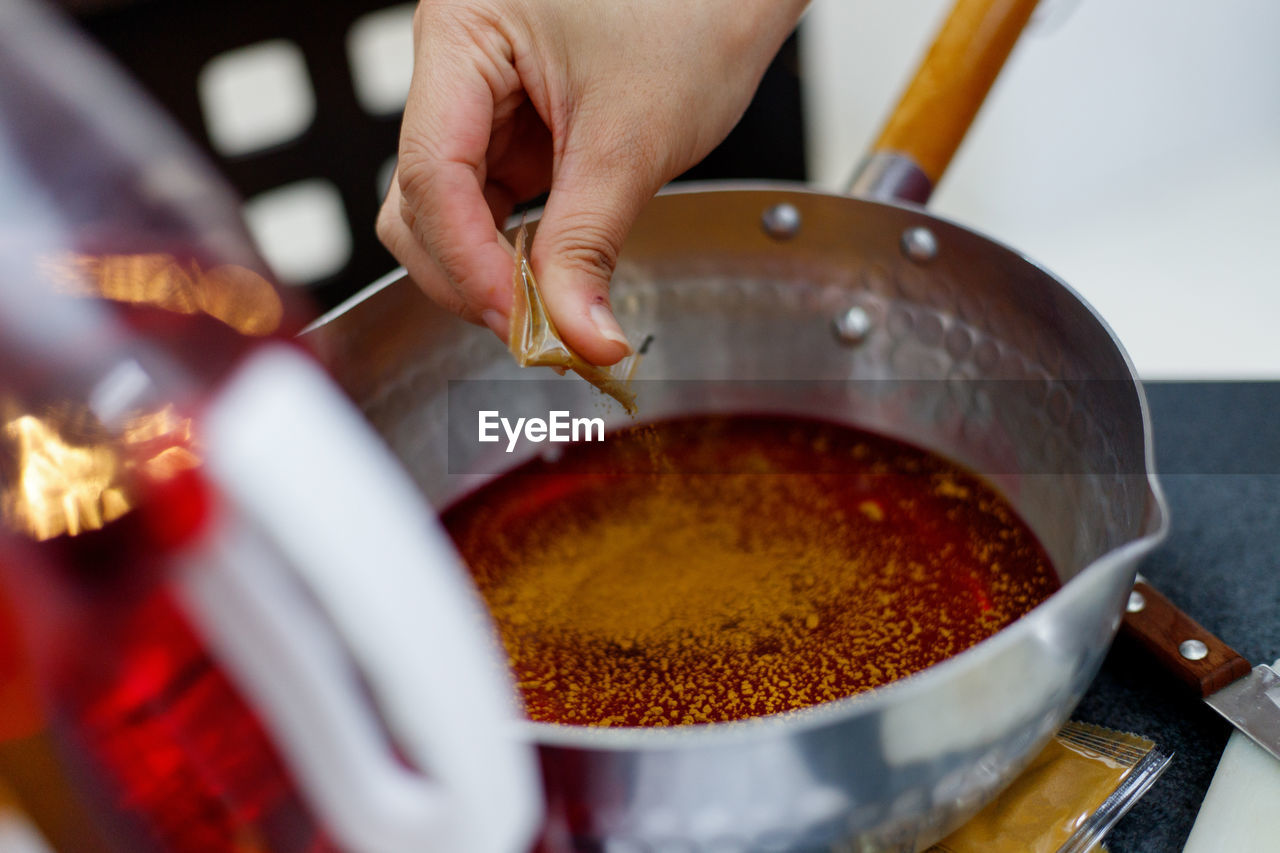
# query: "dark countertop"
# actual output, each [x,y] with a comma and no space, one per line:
[1218,457]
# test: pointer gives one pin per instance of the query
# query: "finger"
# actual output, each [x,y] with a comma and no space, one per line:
[501,200]
[399,239]
[595,198]
[448,118]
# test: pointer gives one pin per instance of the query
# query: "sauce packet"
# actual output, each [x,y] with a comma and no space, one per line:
[1067,799]
[535,342]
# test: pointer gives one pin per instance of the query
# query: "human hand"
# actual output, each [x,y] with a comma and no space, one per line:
[600,102]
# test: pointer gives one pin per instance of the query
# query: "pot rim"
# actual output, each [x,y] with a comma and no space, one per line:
[1154,529]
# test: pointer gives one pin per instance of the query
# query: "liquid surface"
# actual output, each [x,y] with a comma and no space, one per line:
[711,568]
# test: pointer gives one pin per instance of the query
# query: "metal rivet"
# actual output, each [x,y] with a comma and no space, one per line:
[1193,649]
[919,244]
[1137,601]
[852,326]
[781,222]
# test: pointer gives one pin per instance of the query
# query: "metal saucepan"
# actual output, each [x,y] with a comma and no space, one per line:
[898,321]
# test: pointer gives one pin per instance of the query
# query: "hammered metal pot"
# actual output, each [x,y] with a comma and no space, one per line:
[975,353]
[776,298]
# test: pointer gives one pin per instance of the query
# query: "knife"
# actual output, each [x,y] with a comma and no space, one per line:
[1239,809]
[1249,697]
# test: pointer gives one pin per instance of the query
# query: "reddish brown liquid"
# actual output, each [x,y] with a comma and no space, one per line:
[144,732]
[711,568]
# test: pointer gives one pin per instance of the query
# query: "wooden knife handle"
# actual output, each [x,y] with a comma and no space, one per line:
[1185,649]
[934,113]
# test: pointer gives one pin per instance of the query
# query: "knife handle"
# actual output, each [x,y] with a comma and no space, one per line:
[1185,649]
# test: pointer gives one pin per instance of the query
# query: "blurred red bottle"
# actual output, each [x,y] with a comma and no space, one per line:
[128,291]
[180,671]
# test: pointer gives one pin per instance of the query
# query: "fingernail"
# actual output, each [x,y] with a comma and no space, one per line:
[608,326]
[494,320]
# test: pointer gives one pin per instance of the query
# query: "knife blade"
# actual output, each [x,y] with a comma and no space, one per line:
[1239,809]
[1252,704]
[1247,696]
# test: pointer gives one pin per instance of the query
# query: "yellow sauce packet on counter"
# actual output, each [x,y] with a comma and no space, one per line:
[1066,800]
[535,342]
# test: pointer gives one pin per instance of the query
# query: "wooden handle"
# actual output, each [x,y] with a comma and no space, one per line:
[1173,637]
[935,112]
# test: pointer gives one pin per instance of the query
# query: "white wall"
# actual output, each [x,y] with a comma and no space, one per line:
[1131,146]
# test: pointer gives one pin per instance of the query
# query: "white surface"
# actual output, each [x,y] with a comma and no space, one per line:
[1131,146]
[257,621]
[288,451]
[1239,812]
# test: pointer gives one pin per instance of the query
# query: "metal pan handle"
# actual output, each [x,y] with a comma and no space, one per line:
[934,113]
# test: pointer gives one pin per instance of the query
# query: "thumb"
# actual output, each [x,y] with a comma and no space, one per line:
[593,203]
